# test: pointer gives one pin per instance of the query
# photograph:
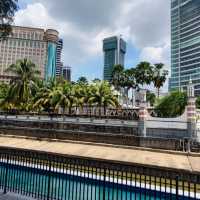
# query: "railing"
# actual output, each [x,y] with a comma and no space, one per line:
[47,176]
[67,119]
[92,112]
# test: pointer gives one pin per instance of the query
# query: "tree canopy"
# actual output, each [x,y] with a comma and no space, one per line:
[7,11]
[26,92]
[159,76]
[172,105]
[143,74]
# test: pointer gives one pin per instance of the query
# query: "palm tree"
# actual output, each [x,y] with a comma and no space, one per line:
[143,73]
[117,76]
[129,81]
[67,98]
[159,76]
[81,95]
[103,96]
[151,98]
[55,95]
[23,84]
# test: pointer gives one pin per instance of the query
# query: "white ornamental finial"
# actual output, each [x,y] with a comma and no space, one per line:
[190,88]
[190,81]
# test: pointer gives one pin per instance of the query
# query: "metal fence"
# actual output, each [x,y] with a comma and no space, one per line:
[48,176]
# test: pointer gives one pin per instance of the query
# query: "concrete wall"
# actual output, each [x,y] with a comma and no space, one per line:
[110,127]
[117,132]
[117,139]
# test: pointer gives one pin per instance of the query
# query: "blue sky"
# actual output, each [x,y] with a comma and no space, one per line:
[23,3]
[144,24]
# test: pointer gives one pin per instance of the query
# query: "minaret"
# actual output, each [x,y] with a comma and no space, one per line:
[191,113]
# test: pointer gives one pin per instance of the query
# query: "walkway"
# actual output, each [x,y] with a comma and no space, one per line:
[11,196]
[163,159]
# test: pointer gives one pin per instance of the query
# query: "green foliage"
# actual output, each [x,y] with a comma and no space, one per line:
[26,92]
[151,98]
[143,74]
[198,102]
[102,95]
[96,80]
[82,80]
[7,11]
[172,105]
[23,85]
[3,90]
[159,76]
[54,95]
[117,76]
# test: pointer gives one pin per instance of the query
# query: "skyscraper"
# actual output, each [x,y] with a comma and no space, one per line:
[52,39]
[59,64]
[185,44]
[66,73]
[35,44]
[114,53]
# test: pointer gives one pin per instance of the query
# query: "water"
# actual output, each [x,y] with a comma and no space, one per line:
[42,184]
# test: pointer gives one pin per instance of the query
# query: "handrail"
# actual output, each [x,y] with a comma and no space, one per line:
[50,176]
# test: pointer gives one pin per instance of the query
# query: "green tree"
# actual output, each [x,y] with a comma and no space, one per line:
[55,95]
[102,96]
[43,100]
[82,94]
[7,11]
[3,90]
[117,74]
[22,84]
[172,105]
[198,102]
[143,73]
[66,97]
[159,76]
[151,98]
[82,80]
[96,80]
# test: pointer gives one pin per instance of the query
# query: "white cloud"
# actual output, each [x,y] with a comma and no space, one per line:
[34,15]
[155,54]
[84,24]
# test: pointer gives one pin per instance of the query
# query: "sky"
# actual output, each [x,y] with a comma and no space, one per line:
[83,24]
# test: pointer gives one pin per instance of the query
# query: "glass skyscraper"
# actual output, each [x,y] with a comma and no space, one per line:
[52,39]
[59,64]
[185,44]
[114,53]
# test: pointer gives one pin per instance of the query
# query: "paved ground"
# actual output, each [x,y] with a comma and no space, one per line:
[164,159]
[12,196]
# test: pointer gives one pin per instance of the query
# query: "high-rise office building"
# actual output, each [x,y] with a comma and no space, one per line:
[66,73]
[59,64]
[185,44]
[35,44]
[114,53]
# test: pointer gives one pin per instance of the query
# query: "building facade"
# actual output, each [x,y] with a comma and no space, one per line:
[35,44]
[114,53]
[59,64]
[66,73]
[185,44]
